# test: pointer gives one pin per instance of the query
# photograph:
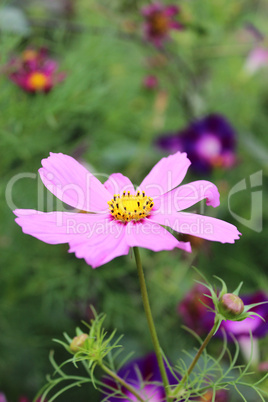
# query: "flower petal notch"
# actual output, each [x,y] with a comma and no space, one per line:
[107,219]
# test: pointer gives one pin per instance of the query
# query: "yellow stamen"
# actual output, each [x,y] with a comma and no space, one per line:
[129,207]
[38,81]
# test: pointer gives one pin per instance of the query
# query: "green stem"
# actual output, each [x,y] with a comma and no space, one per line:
[150,321]
[121,381]
[197,356]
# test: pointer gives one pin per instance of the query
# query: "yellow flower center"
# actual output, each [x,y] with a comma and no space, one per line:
[38,81]
[129,207]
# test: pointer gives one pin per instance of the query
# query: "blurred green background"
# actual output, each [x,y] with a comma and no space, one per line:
[103,115]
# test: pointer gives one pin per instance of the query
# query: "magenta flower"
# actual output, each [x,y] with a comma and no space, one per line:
[150,82]
[160,20]
[118,216]
[25,399]
[34,71]
[209,142]
[144,375]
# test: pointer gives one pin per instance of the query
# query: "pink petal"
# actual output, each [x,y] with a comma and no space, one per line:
[187,195]
[242,327]
[2,397]
[167,174]
[58,227]
[117,183]
[199,225]
[150,235]
[175,25]
[50,66]
[106,243]
[170,11]
[73,184]
[147,11]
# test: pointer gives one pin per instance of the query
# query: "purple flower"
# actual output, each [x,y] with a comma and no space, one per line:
[144,375]
[159,21]
[34,71]
[209,142]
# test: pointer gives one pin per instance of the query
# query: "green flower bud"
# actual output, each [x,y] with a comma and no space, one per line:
[78,342]
[231,306]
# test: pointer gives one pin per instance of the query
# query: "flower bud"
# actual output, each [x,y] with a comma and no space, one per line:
[78,342]
[150,82]
[231,306]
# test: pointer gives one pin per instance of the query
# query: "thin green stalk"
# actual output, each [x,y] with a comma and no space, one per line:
[150,321]
[121,381]
[197,356]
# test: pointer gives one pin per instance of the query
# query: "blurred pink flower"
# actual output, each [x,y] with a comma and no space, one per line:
[118,217]
[263,366]
[159,21]
[257,58]
[150,82]
[25,399]
[34,71]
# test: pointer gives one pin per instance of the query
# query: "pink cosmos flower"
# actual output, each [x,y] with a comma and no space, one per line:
[118,216]
[34,71]
[159,22]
